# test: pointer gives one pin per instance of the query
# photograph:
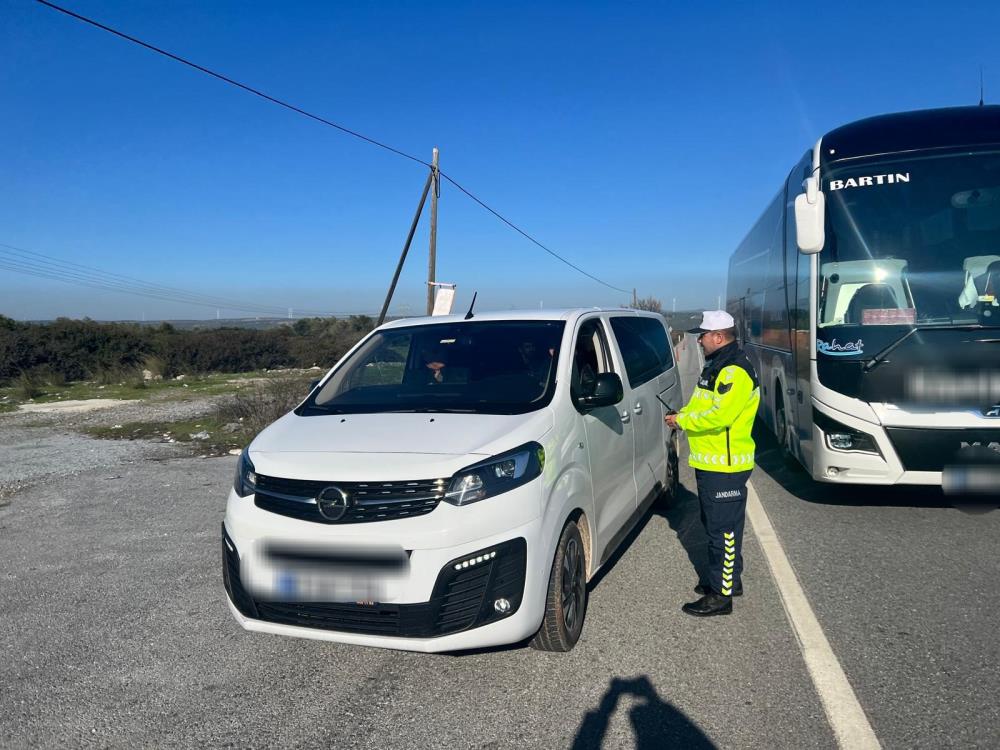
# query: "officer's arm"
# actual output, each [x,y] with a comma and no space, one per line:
[733,389]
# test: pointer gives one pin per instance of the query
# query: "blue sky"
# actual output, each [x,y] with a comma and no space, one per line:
[640,140]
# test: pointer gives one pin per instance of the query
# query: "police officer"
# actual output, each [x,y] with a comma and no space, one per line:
[718,420]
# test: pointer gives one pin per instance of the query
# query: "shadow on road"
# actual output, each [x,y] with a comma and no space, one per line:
[656,723]
[795,480]
[683,514]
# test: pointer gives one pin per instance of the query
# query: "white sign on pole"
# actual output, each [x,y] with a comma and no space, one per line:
[444,298]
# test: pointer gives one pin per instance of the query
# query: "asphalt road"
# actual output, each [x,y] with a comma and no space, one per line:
[114,632]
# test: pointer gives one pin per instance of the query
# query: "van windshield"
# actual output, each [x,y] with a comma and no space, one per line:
[489,367]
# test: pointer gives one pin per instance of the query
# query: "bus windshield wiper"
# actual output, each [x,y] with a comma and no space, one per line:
[879,358]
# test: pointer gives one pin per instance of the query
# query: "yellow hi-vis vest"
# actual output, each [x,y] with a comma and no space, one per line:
[719,417]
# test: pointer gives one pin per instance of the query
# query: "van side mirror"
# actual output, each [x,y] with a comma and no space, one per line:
[810,214]
[608,391]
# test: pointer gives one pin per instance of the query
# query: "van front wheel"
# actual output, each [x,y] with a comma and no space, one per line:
[566,597]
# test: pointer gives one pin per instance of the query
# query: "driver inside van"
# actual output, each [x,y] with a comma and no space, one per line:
[435,363]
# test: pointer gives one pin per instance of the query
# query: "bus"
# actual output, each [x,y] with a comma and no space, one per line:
[868,297]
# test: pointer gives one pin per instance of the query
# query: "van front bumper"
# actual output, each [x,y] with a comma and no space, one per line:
[475,593]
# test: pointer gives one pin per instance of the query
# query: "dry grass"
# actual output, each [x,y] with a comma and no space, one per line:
[265,401]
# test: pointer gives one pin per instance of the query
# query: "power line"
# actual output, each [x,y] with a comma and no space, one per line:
[324,121]
[31,260]
[520,231]
[36,264]
[231,82]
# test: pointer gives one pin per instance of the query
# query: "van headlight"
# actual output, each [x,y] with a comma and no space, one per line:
[496,475]
[245,481]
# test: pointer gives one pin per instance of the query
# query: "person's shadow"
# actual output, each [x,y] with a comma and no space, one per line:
[656,723]
[683,513]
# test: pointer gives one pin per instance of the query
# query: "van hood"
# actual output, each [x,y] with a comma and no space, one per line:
[402,433]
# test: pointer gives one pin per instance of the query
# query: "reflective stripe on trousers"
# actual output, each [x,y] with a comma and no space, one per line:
[723,497]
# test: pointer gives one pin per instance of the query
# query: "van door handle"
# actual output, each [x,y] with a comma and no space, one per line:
[625,416]
[638,408]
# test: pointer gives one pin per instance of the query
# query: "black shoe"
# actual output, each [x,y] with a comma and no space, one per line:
[704,588]
[710,605]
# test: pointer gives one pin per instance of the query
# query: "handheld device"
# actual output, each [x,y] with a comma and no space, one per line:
[670,409]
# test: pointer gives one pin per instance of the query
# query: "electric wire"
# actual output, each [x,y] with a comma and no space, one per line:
[520,231]
[24,261]
[329,123]
[40,261]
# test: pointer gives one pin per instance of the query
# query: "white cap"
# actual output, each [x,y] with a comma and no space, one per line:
[714,320]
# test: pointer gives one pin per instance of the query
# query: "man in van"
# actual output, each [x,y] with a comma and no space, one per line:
[718,420]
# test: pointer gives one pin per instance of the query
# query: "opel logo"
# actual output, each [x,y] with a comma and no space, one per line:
[332,503]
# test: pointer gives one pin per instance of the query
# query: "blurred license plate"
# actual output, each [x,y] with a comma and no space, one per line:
[971,480]
[321,574]
[315,586]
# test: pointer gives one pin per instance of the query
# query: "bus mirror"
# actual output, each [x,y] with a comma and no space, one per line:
[809,218]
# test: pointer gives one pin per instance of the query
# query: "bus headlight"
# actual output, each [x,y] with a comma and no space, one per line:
[840,437]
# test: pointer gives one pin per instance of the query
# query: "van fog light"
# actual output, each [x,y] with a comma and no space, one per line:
[502,606]
[832,471]
[475,560]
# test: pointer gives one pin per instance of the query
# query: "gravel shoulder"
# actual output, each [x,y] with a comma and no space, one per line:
[36,446]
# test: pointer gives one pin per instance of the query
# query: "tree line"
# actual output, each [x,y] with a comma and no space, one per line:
[68,349]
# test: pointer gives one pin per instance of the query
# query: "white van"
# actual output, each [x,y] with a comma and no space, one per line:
[455,483]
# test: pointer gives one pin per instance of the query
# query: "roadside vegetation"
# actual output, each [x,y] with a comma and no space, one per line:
[83,359]
[231,423]
[36,355]
[252,376]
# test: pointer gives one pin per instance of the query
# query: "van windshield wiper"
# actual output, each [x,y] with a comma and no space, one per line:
[879,358]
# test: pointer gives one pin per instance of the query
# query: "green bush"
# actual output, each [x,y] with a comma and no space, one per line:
[68,350]
[28,386]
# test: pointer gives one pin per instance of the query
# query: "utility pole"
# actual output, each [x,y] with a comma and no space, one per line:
[406,249]
[432,259]
[674,308]
[635,298]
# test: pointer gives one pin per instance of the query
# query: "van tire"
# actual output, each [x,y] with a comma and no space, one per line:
[566,595]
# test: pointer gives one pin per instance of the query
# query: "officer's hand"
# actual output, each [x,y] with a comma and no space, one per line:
[671,419]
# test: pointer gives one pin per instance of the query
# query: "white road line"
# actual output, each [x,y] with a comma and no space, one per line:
[850,725]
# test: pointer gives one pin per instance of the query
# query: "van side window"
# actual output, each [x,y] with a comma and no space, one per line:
[590,357]
[644,347]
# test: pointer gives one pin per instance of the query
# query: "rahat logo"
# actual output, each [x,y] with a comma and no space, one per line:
[332,503]
[836,349]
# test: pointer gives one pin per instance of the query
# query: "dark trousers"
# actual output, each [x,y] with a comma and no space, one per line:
[723,500]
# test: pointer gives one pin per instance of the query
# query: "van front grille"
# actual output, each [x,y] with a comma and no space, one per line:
[367,501]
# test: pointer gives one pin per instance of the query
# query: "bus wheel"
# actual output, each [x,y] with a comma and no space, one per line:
[782,433]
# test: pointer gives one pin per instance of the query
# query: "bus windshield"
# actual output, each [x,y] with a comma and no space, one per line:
[912,241]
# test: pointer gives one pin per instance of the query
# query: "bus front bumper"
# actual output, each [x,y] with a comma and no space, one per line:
[910,454]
